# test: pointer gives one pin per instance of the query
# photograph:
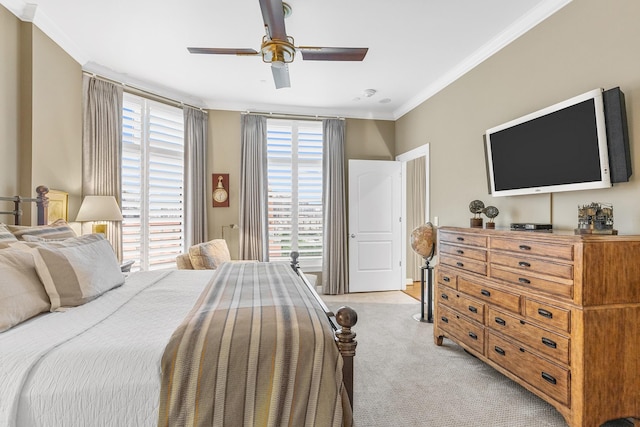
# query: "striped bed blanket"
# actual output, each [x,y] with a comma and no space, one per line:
[256,350]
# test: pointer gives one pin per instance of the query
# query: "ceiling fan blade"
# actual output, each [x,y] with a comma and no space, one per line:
[313,53]
[280,73]
[222,51]
[273,17]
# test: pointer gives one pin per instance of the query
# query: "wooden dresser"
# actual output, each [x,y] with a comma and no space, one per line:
[559,314]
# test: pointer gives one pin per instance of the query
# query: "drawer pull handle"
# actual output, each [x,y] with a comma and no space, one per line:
[499,350]
[500,321]
[548,342]
[446,279]
[485,292]
[544,313]
[460,239]
[444,296]
[524,264]
[548,378]
[525,247]
[473,309]
[472,335]
[444,319]
[460,264]
[460,252]
[523,280]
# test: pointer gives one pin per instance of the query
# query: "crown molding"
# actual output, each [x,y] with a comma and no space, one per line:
[518,28]
[28,12]
[17,7]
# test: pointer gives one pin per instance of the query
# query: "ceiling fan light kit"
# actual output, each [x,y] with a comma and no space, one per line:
[278,48]
[274,50]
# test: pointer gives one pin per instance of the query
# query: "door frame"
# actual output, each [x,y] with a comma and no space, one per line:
[418,152]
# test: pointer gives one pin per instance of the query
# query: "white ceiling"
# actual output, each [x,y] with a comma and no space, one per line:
[416,47]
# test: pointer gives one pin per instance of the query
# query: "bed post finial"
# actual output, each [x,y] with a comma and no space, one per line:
[294,259]
[347,317]
[42,204]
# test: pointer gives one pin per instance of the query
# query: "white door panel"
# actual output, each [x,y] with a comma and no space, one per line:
[374,225]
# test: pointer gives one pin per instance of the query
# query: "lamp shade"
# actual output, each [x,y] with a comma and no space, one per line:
[99,208]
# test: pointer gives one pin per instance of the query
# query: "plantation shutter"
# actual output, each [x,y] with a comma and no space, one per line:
[294,152]
[152,183]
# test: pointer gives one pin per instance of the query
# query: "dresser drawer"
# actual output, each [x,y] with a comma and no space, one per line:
[464,264]
[491,295]
[474,309]
[540,373]
[530,247]
[542,341]
[446,277]
[524,263]
[463,238]
[464,251]
[548,315]
[560,287]
[466,331]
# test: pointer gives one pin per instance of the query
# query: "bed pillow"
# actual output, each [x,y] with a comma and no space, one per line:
[76,270]
[6,236]
[22,295]
[56,230]
[209,255]
[183,262]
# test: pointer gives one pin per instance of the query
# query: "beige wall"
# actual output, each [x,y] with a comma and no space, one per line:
[57,120]
[40,114]
[9,103]
[586,45]
[224,157]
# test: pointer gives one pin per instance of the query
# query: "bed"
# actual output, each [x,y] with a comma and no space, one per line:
[247,344]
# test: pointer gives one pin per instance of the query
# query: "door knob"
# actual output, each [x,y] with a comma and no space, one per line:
[353,235]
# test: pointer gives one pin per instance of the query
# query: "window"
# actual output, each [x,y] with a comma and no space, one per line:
[152,182]
[294,152]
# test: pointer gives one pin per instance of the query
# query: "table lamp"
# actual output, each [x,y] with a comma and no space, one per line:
[99,208]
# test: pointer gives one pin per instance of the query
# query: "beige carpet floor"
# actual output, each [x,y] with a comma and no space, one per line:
[403,379]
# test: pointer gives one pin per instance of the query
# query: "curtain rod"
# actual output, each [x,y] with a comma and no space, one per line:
[291,116]
[145,93]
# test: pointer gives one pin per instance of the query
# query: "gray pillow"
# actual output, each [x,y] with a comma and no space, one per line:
[76,270]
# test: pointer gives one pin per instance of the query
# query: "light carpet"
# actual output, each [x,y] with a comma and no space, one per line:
[403,379]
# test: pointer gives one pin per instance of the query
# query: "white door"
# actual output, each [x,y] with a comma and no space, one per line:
[375,225]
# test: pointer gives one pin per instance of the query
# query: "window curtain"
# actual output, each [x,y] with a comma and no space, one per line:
[102,146]
[195,166]
[335,274]
[253,189]
[416,201]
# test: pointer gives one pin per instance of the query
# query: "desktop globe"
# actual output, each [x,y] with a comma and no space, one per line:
[423,239]
[423,243]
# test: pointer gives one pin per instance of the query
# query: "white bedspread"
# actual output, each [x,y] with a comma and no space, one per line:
[64,369]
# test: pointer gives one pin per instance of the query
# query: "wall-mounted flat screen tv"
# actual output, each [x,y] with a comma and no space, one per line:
[559,148]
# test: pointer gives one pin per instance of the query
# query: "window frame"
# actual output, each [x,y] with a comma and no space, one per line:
[308,166]
[157,133]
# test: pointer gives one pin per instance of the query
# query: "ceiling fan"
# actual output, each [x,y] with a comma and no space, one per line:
[278,48]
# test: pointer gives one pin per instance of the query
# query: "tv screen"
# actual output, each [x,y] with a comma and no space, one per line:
[559,148]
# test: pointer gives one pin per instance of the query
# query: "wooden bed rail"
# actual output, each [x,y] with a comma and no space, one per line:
[41,201]
[344,319]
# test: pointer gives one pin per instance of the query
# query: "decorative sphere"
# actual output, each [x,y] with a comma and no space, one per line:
[422,240]
[491,212]
[476,206]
